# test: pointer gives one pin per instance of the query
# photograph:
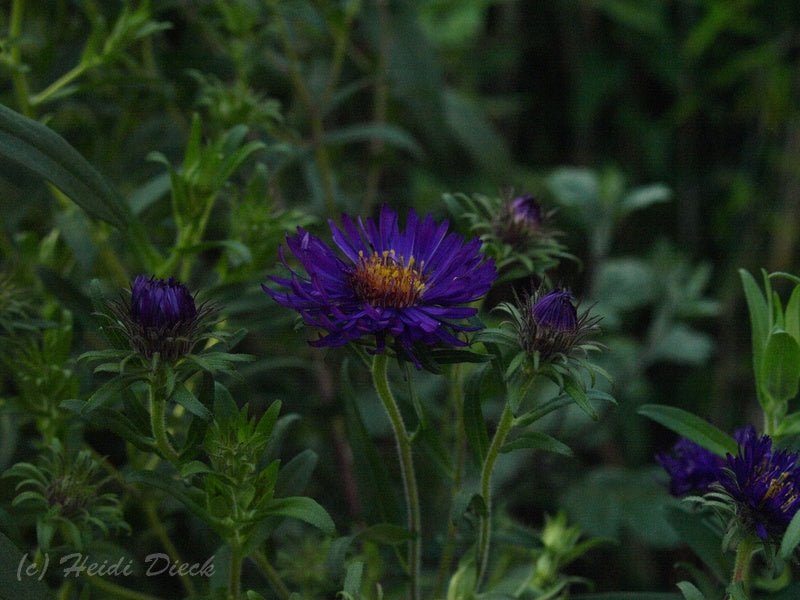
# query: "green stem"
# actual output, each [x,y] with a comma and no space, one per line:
[379,378]
[272,576]
[503,428]
[59,83]
[21,89]
[158,422]
[744,558]
[235,581]
[117,591]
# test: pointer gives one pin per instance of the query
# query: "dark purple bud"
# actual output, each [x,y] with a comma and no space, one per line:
[525,210]
[159,303]
[556,311]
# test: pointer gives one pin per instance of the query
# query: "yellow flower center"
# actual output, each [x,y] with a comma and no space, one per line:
[776,486]
[388,281]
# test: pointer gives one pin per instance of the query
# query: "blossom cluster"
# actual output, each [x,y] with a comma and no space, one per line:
[761,482]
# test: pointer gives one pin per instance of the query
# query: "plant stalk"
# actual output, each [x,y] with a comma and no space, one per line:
[500,435]
[744,558]
[379,378]
[235,581]
[158,422]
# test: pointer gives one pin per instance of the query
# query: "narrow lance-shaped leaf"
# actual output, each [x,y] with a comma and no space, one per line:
[692,427]
[40,149]
[759,315]
[304,509]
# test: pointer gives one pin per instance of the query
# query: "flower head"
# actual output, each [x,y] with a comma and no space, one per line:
[550,323]
[525,210]
[160,317]
[411,285]
[556,311]
[763,483]
[692,468]
[521,221]
[159,303]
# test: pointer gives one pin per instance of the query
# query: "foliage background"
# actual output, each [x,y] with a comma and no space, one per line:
[398,101]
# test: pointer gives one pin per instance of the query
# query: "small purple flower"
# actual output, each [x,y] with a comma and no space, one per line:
[525,210]
[549,323]
[692,468]
[763,483]
[159,303]
[556,311]
[160,317]
[411,285]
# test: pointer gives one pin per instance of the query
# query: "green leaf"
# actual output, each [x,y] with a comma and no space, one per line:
[367,132]
[689,591]
[578,394]
[352,579]
[43,151]
[791,538]
[224,405]
[303,509]
[536,440]
[187,399]
[114,420]
[759,316]
[474,423]
[25,587]
[644,196]
[194,467]
[190,497]
[791,316]
[690,426]
[780,367]
[294,476]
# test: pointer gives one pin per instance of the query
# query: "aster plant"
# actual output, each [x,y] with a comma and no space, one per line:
[547,337]
[388,288]
[517,231]
[155,330]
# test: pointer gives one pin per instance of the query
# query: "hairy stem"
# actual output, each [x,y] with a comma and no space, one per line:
[21,89]
[379,378]
[158,422]
[235,580]
[744,558]
[500,434]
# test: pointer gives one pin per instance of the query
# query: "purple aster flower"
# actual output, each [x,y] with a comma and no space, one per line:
[551,325]
[692,469]
[525,210]
[763,483]
[159,303]
[160,317]
[411,285]
[556,311]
